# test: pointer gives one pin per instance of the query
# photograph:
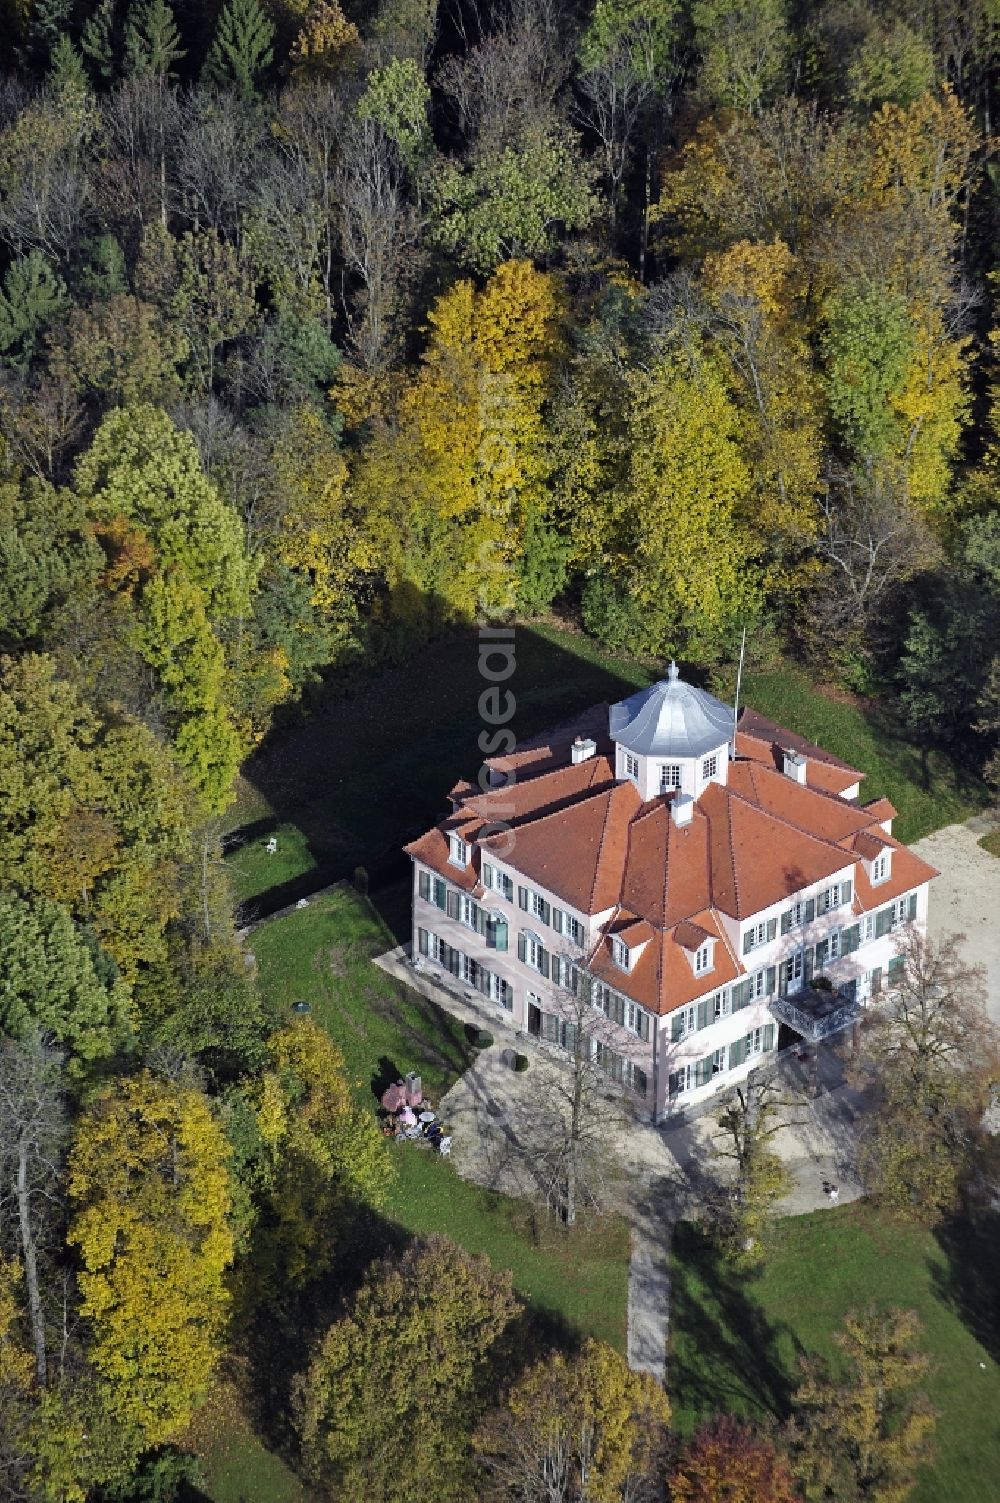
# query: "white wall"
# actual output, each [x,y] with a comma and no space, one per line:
[692,781]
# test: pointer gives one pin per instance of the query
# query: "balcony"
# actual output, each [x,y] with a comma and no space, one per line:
[815,1013]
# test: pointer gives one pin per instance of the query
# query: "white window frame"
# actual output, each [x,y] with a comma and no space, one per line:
[633,1018]
[458,851]
[831,898]
[620,953]
[758,934]
[755,1042]
[467,909]
[720,1060]
[720,1005]
[498,881]
[710,766]
[758,983]
[670,776]
[869,928]
[703,958]
[685,1079]
[901,911]
[880,869]
[689,1017]
[533,951]
[435,946]
[796,966]
[536,905]
[630,764]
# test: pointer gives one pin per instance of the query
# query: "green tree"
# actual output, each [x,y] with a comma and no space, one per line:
[398,97]
[33,298]
[59,983]
[242,50]
[67,75]
[368,1430]
[893,65]
[49,562]
[99,40]
[152,41]
[858,1436]
[512,199]
[868,348]
[580,1430]
[150,1197]
[742,50]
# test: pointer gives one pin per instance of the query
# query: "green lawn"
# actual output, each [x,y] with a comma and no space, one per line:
[991,842]
[347,782]
[734,1341]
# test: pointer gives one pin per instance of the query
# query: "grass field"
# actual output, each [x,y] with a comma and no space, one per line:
[991,842]
[734,1341]
[348,782]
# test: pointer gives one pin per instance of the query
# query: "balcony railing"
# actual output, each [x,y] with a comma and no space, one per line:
[816,1014]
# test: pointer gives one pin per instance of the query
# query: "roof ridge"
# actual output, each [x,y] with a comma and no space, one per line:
[600,849]
[783,819]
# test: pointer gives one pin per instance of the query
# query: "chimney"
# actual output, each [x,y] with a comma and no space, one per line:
[682,809]
[582,749]
[795,766]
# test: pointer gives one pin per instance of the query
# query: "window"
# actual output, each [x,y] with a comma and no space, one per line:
[636,1021]
[682,1080]
[709,767]
[631,765]
[496,931]
[670,776]
[497,989]
[534,953]
[720,1060]
[565,923]
[459,854]
[720,1005]
[538,907]
[759,934]
[835,896]
[755,1042]
[620,952]
[565,973]
[498,881]
[468,912]
[635,1078]
[703,959]
[688,1021]
[869,929]
[880,868]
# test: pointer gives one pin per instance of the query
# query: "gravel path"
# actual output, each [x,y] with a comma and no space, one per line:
[965,898]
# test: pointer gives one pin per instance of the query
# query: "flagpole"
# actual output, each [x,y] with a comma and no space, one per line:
[739,683]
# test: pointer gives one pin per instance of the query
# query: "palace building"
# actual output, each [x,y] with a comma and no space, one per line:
[714,887]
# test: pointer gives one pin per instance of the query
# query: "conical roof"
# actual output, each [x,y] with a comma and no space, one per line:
[671,719]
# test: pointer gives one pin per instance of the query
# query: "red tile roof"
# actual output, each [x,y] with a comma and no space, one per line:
[750,844]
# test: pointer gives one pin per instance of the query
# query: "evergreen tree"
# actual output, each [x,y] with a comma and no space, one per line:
[242,49]
[99,40]
[152,41]
[66,70]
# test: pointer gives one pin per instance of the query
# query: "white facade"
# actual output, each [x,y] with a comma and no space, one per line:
[655,775]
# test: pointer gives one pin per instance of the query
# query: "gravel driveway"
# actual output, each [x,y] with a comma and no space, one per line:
[965,898]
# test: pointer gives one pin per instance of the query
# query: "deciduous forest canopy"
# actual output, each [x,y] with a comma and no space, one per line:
[325,327]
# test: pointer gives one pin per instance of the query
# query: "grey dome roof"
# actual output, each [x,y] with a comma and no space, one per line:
[671,719]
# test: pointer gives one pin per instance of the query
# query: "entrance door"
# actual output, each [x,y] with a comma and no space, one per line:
[534,1014]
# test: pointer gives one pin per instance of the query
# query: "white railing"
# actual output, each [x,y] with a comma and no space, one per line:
[811,1027]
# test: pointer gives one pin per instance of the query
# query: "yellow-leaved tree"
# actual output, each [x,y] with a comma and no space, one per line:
[462,460]
[149,1192]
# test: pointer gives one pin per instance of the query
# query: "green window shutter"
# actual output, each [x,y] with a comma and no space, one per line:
[673,1083]
[619,1008]
[570,1037]
[441,893]
[748,942]
[676,1027]
[522,898]
[810,910]
[424,885]
[737,1053]
[822,950]
[807,963]
[522,948]
[451,906]
[559,921]
[883,922]
[481,919]
[846,890]
[702,1014]
[644,1026]
[543,962]
[703,1071]
[768,1036]
[850,939]
[772,928]
[500,933]
[489,874]
[545,913]
[770,979]
[423,942]
[740,995]
[640,1085]
[454,961]
[912,909]
[786,921]
[897,965]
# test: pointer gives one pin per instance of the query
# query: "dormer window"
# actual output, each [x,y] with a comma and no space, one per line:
[880,868]
[710,767]
[620,953]
[459,851]
[703,958]
[670,776]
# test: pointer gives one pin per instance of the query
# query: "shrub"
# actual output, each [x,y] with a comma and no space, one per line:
[520,1062]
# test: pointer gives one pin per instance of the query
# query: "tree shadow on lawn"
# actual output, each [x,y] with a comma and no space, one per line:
[968,1283]
[394,744]
[723,1347]
[428,1035]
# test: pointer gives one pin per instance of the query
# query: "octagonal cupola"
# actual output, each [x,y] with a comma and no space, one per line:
[671,738]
